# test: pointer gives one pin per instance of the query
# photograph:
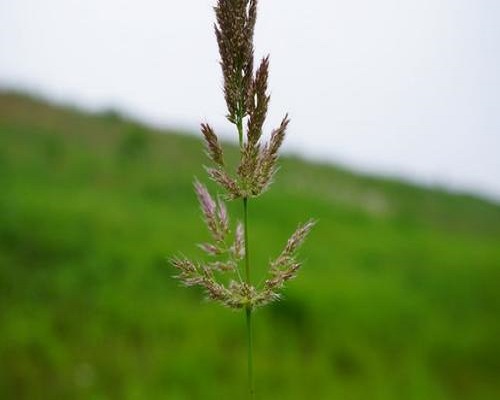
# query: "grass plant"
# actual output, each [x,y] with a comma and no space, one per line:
[227,276]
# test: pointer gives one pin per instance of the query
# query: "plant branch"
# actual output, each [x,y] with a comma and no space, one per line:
[250,353]
[248,309]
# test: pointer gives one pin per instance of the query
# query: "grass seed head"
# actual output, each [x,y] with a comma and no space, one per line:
[247,100]
[214,149]
[234,31]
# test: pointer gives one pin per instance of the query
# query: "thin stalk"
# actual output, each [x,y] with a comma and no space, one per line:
[248,308]
[250,353]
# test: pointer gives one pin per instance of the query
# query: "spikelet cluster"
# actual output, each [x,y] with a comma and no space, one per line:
[247,100]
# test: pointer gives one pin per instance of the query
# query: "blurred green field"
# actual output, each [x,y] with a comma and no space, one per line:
[399,298]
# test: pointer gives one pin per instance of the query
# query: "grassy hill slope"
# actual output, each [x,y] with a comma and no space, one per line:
[399,297]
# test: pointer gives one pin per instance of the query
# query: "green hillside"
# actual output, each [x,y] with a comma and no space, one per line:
[399,298]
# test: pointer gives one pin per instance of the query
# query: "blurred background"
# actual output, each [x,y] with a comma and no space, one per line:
[393,146]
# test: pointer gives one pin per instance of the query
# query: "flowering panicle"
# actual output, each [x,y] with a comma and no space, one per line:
[192,274]
[215,214]
[268,158]
[223,179]
[214,149]
[237,294]
[285,267]
[234,31]
[258,102]
[247,100]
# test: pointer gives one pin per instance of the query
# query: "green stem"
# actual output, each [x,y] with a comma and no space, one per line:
[248,309]
[250,353]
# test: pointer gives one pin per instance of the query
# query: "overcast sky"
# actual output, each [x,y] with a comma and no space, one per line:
[403,87]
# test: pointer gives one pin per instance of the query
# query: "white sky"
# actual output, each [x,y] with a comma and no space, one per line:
[402,87]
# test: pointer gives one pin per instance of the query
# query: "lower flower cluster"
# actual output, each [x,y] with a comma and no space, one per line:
[227,257]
